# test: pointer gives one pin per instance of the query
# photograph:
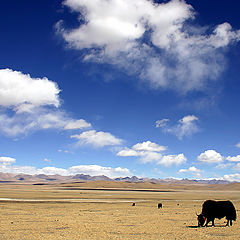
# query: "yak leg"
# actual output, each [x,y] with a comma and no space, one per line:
[208,220]
[229,220]
[213,223]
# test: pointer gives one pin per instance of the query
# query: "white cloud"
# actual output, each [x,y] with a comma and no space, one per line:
[121,21]
[17,88]
[31,104]
[38,119]
[150,152]
[52,171]
[148,157]
[190,169]
[233,159]
[169,160]
[109,23]
[93,170]
[148,146]
[186,126]
[210,156]
[77,124]
[7,160]
[18,169]
[161,123]
[147,150]
[238,145]
[223,35]
[155,41]
[232,177]
[145,156]
[97,139]
[193,170]
[128,153]
[188,119]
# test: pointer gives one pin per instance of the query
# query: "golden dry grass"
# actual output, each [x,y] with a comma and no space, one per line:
[104,214]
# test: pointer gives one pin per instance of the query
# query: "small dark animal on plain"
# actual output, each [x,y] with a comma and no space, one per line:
[133,204]
[159,205]
[216,209]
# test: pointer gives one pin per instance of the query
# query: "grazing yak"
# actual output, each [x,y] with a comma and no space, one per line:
[159,205]
[133,204]
[216,209]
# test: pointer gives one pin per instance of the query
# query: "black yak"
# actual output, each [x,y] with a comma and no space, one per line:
[216,209]
[159,205]
[133,204]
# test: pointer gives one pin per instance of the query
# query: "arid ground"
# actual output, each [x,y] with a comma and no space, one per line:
[103,210]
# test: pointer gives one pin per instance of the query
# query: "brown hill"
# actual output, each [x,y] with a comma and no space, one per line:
[148,185]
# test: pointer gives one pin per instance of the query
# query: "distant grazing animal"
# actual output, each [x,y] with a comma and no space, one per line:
[133,204]
[216,209]
[159,205]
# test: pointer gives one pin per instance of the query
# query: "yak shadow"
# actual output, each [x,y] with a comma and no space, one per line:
[192,226]
[220,226]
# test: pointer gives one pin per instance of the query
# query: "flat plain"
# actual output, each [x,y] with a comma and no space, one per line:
[103,210]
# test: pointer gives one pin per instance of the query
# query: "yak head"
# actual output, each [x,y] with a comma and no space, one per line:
[201,220]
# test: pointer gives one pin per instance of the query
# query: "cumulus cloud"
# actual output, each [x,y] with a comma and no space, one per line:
[18,169]
[145,156]
[210,156]
[157,42]
[28,104]
[97,139]
[52,171]
[148,157]
[190,169]
[128,153]
[7,160]
[233,159]
[18,88]
[151,152]
[148,146]
[139,148]
[193,170]
[93,170]
[232,177]
[186,126]
[169,160]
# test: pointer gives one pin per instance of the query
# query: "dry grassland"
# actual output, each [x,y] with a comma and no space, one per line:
[70,211]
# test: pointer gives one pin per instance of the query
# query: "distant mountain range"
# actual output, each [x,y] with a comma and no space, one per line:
[42,178]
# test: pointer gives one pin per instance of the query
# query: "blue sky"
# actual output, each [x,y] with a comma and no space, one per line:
[120,88]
